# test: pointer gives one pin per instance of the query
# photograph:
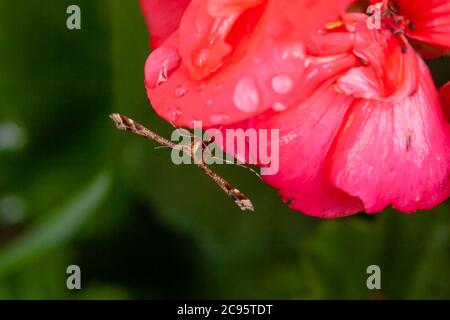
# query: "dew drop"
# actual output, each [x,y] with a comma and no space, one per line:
[282,84]
[279,107]
[294,51]
[174,114]
[160,65]
[181,91]
[246,97]
[219,118]
[163,75]
[201,58]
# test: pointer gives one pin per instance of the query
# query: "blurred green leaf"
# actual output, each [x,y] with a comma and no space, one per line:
[60,228]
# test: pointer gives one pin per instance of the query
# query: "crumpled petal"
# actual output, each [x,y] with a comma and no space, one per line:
[163,18]
[395,154]
[257,70]
[430,20]
[390,71]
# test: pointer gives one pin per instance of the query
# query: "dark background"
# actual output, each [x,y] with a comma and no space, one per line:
[73,190]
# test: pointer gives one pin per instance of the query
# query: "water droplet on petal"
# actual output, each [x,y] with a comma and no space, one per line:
[219,118]
[246,97]
[174,114]
[160,65]
[201,58]
[282,84]
[181,91]
[163,75]
[279,107]
[294,51]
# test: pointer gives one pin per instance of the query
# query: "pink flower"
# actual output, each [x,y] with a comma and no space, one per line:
[361,122]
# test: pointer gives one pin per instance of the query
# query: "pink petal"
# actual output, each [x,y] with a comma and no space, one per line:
[395,154]
[163,18]
[430,20]
[243,76]
[306,133]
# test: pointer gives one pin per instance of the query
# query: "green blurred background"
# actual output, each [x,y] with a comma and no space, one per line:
[73,190]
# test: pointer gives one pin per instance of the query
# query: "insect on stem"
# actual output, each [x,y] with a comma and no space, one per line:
[126,124]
